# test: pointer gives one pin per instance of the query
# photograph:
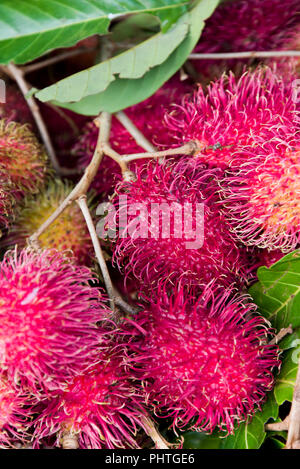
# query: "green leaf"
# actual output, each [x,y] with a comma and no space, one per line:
[133,63]
[197,440]
[30,28]
[285,382]
[122,92]
[251,435]
[277,293]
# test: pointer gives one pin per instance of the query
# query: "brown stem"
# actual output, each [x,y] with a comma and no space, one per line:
[278,426]
[187,149]
[53,60]
[281,334]
[294,417]
[160,442]
[17,74]
[245,55]
[140,139]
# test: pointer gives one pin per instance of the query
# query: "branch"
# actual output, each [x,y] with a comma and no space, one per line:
[140,139]
[17,75]
[103,121]
[245,55]
[278,426]
[97,248]
[160,442]
[281,334]
[293,438]
[53,60]
[187,149]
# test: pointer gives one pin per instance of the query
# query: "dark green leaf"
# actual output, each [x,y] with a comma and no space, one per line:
[122,93]
[277,293]
[30,28]
[285,382]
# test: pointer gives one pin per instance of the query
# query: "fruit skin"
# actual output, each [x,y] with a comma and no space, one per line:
[22,158]
[67,233]
[256,109]
[261,196]
[245,25]
[101,407]
[205,364]
[48,314]
[14,417]
[151,256]
[148,117]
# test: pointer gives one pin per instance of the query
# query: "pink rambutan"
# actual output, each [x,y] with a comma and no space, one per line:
[255,109]
[48,314]
[12,413]
[67,233]
[22,157]
[148,117]
[172,230]
[101,408]
[204,364]
[261,193]
[245,25]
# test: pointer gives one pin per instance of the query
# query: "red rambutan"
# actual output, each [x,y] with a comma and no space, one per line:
[12,413]
[15,107]
[22,157]
[205,364]
[245,25]
[172,230]
[256,109]
[101,408]
[48,314]
[261,193]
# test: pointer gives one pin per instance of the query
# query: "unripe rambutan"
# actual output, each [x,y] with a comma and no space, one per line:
[22,157]
[172,230]
[261,193]
[101,408]
[204,364]
[67,233]
[12,413]
[48,314]
[245,25]
[255,109]
[148,117]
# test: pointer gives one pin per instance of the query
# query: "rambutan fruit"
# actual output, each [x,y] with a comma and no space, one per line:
[67,233]
[255,109]
[22,157]
[261,193]
[6,202]
[205,364]
[101,407]
[48,314]
[148,117]
[12,413]
[244,25]
[172,230]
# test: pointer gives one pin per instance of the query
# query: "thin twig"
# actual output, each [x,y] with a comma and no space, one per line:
[278,426]
[140,139]
[103,121]
[53,60]
[294,417]
[17,74]
[245,55]
[160,442]
[187,149]
[97,248]
[281,334]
